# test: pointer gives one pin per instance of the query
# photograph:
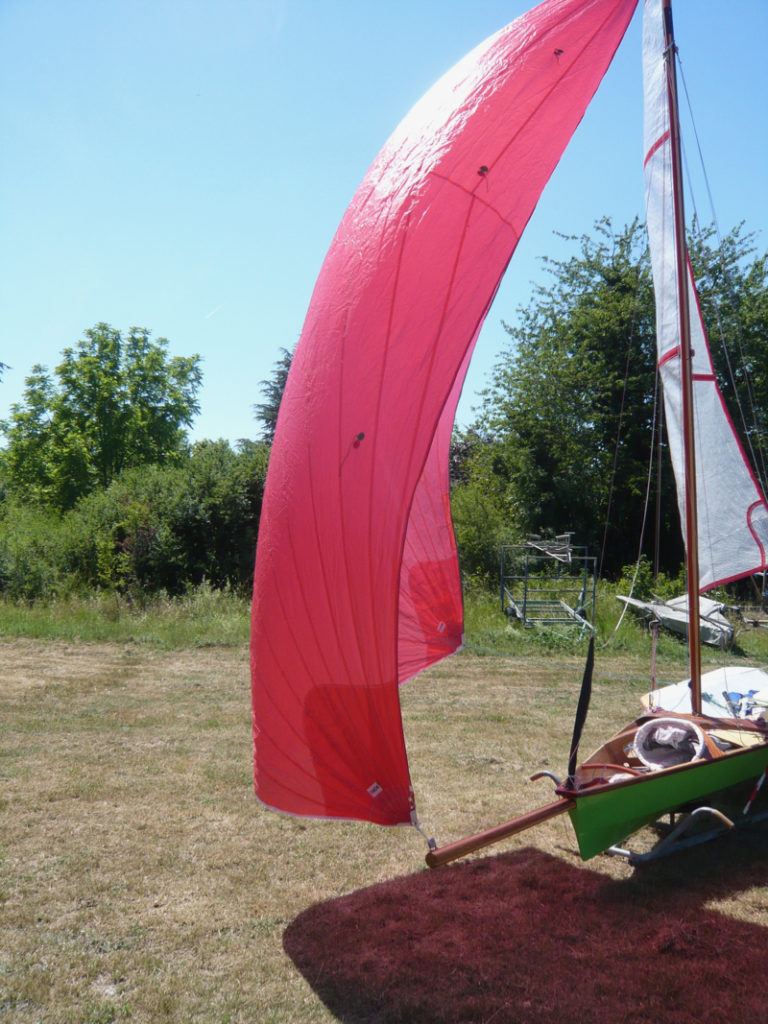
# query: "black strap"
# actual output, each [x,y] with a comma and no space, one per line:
[581,710]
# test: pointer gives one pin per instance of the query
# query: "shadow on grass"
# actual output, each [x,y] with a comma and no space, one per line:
[525,937]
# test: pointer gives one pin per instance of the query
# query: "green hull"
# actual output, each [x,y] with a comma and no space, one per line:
[608,814]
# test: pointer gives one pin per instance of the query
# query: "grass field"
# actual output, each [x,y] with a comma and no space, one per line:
[140,880]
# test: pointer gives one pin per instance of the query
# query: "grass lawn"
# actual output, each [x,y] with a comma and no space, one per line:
[140,880]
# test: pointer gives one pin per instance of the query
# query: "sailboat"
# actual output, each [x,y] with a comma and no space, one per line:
[673,615]
[357,586]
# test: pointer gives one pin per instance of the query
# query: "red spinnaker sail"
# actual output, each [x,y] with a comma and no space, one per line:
[356,585]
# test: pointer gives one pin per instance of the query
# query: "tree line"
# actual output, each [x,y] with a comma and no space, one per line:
[101,488]
[562,437]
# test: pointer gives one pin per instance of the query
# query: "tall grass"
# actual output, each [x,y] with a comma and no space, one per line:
[203,617]
[206,616]
[487,630]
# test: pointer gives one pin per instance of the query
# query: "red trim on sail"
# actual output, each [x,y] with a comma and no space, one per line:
[656,146]
[747,464]
[728,579]
[674,353]
[757,504]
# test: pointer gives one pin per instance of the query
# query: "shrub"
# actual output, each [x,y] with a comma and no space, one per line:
[154,528]
[31,557]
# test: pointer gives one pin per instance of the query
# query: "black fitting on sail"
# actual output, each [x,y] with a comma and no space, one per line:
[581,712]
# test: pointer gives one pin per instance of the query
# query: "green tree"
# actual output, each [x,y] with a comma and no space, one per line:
[27,466]
[570,407]
[580,365]
[33,552]
[118,401]
[272,389]
[484,517]
[172,527]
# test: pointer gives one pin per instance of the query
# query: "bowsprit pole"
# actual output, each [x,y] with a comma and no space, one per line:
[463,847]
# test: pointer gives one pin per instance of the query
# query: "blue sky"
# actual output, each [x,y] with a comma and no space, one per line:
[182,165]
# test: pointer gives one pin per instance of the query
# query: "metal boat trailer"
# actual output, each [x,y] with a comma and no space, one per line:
[682,830]
[685,833]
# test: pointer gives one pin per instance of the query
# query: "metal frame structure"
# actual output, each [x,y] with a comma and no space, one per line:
[549,582]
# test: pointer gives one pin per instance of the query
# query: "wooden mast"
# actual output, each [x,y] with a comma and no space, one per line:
[691,524]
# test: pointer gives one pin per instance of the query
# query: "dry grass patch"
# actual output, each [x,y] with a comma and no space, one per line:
[139,879]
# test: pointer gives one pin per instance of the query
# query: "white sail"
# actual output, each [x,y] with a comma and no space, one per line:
[732,512]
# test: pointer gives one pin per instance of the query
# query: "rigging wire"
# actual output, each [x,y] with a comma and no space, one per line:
[618,434]
[649,478]
[646,505]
